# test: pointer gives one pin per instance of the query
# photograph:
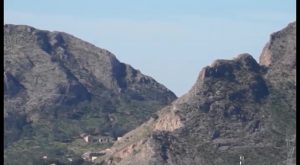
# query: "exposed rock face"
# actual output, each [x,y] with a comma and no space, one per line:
[168,121]
[282,64]
[236,108]
[281,48]
[54,78]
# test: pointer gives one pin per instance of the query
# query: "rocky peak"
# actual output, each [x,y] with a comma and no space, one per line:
[75,55]
[61,86]
[63,48]
[281,48]
[279,55]
[226,70]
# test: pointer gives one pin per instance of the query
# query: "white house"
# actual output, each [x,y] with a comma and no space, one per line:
[87,138]
[94,158]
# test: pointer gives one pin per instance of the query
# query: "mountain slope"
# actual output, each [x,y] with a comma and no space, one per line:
[238,110]
[57,87]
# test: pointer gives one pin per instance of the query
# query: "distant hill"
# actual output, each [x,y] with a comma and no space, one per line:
[57,87]
[238,110]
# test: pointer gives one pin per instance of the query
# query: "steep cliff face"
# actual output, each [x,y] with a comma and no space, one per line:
[281,73]
[57,86]
[280,50]
[238,110]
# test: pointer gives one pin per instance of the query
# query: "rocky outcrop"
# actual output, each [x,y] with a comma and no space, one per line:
[168,122]
[235,109]
[281,48]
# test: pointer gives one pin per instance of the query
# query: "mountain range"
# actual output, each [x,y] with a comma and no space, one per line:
[59,89]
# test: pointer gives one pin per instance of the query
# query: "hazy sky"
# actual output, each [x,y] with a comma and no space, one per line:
[169,40]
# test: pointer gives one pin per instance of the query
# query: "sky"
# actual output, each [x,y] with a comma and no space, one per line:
[170,40]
